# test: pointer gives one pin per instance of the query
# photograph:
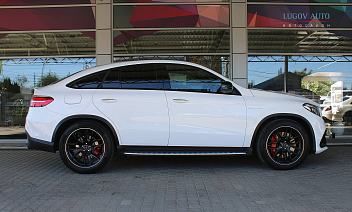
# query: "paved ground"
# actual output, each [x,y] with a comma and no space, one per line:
[38,181]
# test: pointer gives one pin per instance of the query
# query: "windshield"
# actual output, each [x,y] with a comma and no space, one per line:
[345,98]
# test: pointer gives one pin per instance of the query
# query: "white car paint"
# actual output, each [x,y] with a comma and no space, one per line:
[341,108]
[203,119]
[141,116]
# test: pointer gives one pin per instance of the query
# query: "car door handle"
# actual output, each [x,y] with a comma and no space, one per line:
[109,100]
[180,100]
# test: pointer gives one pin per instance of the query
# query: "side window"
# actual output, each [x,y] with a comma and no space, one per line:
[188,78]
[138,77]
[91,81]
[142,76]
[112,80]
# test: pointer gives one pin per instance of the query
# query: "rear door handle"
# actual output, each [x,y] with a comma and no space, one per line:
[109,100]
[180,100]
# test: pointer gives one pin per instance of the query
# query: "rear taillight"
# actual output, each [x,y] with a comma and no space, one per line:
[328,109]
[41,101]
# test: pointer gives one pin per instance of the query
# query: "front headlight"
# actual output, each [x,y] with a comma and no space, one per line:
[312,108]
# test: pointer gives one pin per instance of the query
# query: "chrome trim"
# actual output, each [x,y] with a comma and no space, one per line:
[184,153]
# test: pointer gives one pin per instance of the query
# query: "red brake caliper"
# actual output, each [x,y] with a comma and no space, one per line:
[273,144]
[97,151]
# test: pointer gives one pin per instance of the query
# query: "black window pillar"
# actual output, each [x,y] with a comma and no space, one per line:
[286,74]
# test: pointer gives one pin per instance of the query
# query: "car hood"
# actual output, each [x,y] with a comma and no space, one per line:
[281,96]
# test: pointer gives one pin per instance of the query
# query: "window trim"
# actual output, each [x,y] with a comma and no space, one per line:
[161,76]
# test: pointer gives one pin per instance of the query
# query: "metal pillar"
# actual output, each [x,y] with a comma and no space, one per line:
[286,74]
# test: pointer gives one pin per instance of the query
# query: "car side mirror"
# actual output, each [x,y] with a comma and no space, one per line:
[226,87]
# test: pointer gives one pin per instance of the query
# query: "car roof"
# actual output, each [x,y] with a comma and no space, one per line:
[126,63]
[85,72]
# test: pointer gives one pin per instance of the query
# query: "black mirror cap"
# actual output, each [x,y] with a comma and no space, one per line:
[226,87]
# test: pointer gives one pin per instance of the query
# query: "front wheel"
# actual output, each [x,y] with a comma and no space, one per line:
[86,147]
[282,144]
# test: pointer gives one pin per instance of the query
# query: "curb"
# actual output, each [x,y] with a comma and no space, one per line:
[7,144]
[13,148]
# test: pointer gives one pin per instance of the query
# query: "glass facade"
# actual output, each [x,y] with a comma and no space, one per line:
[171,16]
[45,2]
[166,1]
[304,49]
[218,63]
[303,1]
[299,16]
[49,18]
[59,38]
[299,41]
[47,44]
[40,42]
[18,79]
[197,32]
[301,47]
[171,41]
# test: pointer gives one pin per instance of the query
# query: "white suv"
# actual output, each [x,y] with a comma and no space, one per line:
[169,108]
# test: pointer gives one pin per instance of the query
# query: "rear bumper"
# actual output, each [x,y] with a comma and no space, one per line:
[37,144]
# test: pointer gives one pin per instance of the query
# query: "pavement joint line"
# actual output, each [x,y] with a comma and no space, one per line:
[13,148]
[339,144]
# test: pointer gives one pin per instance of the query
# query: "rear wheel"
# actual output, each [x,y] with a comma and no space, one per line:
[86,147]
[282,144]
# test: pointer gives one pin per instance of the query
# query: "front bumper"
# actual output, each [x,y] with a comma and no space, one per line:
[37,144]
[322,145]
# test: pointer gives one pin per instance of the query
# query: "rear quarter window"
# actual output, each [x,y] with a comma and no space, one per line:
[91,81]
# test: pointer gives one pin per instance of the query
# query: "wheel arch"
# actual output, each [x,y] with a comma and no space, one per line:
[63,124]
[299,119]
[346,112]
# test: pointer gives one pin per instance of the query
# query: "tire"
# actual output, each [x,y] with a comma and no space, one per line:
[282,144]
[86,147]
[347,117]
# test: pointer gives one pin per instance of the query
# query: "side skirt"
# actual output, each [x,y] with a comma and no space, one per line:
[184,150]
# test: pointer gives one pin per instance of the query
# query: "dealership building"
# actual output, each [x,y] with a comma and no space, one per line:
[297,46]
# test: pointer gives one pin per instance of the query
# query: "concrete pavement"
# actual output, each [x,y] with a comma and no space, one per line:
[38,181]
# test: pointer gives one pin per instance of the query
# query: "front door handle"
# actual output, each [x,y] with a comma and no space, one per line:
[180,100]
[109,100]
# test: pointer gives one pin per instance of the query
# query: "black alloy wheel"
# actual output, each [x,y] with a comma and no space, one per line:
[86,147]
[283,144]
